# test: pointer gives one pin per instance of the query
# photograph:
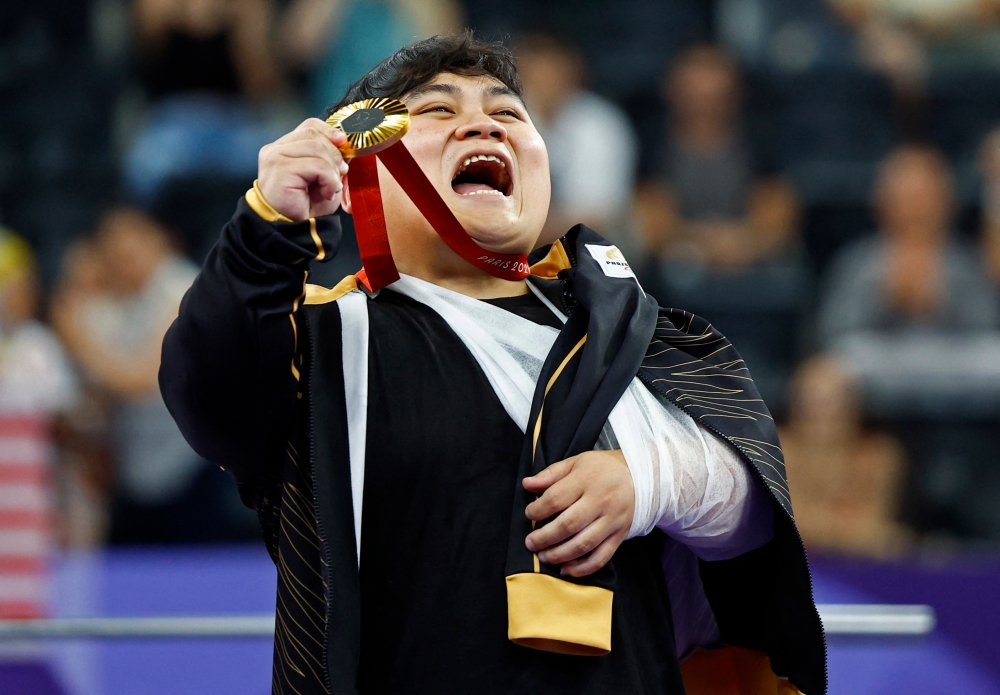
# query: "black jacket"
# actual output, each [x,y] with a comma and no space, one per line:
[248,366]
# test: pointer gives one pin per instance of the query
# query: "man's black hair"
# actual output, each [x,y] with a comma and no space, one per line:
[415,65]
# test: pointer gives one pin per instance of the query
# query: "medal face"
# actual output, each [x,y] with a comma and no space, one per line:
[371,125]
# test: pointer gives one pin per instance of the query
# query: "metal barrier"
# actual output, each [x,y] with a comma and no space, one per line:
[858,620]
[872,619]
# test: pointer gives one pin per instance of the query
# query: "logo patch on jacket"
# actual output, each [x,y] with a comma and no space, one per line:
[611,260]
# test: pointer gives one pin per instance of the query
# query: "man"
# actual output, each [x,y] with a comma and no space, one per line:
[709,200]
[381,436]
[913,279]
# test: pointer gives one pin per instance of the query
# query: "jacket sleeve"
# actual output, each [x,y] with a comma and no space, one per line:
[229,369]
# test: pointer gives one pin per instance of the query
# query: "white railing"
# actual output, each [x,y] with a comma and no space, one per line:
[838,619]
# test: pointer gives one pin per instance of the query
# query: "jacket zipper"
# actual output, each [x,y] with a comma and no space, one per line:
[760,476]
[327,559]
[568,303]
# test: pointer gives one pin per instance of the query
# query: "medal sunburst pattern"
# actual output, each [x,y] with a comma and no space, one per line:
[395,121]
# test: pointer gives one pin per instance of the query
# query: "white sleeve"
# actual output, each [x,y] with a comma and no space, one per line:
[688,483]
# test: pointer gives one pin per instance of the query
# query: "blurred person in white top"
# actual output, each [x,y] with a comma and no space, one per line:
[112,310]
[35,377]
[592,147]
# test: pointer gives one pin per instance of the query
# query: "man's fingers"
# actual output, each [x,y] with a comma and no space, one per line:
[334,135]
[312,146]
[312,127]
[597,559]
[329,184]
[555,499]
[551,475]
[312,171]
[576,546]
[570,522]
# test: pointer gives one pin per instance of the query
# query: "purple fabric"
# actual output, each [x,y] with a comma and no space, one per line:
[28,678]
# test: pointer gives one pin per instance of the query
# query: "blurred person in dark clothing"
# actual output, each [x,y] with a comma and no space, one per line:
[847,482]
[210,46]
[592,148]
[713,202]
[115,304]
[913,277]
[907,40]
[203,64]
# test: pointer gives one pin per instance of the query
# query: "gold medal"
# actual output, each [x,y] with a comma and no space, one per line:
[371,125]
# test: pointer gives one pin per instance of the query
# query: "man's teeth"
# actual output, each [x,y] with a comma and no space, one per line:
[482,158]
[484,192]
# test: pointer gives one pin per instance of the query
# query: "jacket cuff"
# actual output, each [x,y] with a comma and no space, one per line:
[274,238]
[258,203]
[553,615]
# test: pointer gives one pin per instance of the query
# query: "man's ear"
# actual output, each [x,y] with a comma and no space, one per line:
[345,196]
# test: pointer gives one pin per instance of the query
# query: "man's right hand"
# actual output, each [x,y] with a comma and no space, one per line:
[300,175]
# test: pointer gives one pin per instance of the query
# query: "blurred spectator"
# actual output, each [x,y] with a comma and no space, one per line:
[592,148]
[713,203]
[36,382]
[335,41]
[791,36]
[201,62]
[846,482]
[905,40]
[720,225]
[35,377]
[989,168]
[913,277]
[114,305]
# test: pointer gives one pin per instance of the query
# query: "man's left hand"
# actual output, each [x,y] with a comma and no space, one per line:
[593,496]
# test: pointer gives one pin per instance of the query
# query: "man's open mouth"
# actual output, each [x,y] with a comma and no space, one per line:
[482,175]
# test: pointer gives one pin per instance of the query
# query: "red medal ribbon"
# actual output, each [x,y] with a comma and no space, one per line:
[369,221]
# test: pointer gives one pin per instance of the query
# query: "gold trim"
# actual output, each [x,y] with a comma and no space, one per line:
[538,421]
[553,615]
[555,260]
[295,327]
[320,251]
[548,386]
[258,203]
[316,294]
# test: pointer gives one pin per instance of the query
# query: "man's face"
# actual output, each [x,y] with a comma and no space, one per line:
[475,142]
[701,90]
[914,198]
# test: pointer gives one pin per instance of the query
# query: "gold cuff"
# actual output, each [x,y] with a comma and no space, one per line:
[553,615]
[257,203]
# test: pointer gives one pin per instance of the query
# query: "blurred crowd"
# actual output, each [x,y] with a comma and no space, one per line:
[819,178]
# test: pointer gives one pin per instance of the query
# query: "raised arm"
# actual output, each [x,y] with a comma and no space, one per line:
[229,371]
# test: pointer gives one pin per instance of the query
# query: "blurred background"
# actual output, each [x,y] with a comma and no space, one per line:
[819,178]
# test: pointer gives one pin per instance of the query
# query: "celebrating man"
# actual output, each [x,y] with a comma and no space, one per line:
[473,483]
